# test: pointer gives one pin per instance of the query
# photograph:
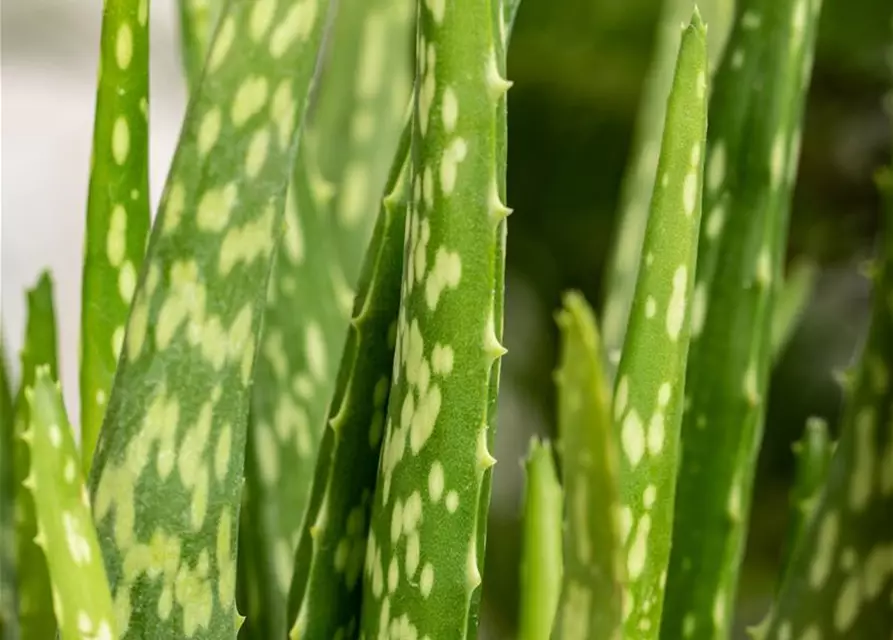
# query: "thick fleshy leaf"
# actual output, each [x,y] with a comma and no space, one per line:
[339,179]
[81,597]
[750,182]
[432,493]
[839,583]
[198,19]
[541,561]
[641,172]
[648,395]
[167,476]
[117,207]
[593,563]
[36,620]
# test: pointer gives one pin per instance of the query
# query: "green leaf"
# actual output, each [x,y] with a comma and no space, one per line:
[641,172]
[340,174]
[327,586]
[117,206]
[432,493]
[739,275]
[8,577]
[167,475]
[81,597]
[839,583]
[813,454]
[594,571]
[541,570]
[793,297]
[198,19]
[34,597]
[647,403]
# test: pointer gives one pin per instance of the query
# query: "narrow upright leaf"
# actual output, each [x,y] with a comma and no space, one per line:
[639,178]
[541,569]
[197,21]
[339,178]
[117,207]
[793,297]
[81,597]
[8,578]
[36,619]
[648,394]
[733,314]
[363,92]
[167,475]
[813,456]
[327,585]
[839,583]
[594,571]
[433,483]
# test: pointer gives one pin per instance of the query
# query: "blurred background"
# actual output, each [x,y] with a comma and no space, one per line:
[578,68]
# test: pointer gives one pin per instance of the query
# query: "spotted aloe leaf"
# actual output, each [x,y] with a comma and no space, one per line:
[425,546]
[839,583]
[196,22]
[8,578]
[594,572]
[325,594]
[648,394]
[117,207]
[35,605]
[813,456]
[359,117]
[81,598]
[338,179]
[167,476]
[734,302]
[541,562]
[638,184]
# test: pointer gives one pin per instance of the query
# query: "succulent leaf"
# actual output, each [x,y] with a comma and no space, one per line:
[793,297]
[167,476]
[197,21]
[647,404]
[639,178]
[117,206]
[425,546]
[81,598]
[738,279]
[327,586]
[813,454]
[593,563]
[352,132]
[541,561]
[35,605]
[839,582]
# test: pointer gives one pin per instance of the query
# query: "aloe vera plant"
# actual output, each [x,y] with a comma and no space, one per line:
[297,418]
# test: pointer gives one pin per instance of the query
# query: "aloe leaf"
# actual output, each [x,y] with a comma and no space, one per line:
[433,482]
[794,296]
[640,174]
[35,605]
[117,206]
[167,475]
[197,19]
[839,583]
[541,570]
[358,119]
[8,578]
[813,454]
[81,597]
[325,595]
[648,393]
[594,570]
[339,167]
[731,352]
